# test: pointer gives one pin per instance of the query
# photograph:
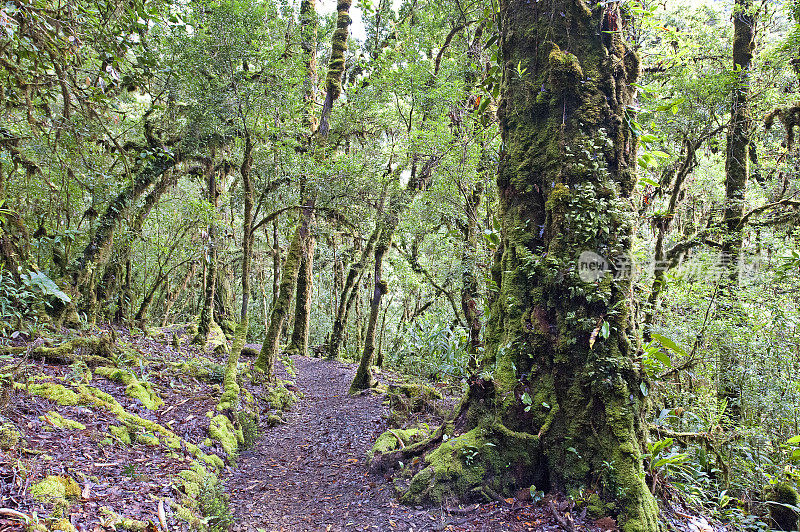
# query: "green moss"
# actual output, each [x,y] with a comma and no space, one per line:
[54,488]
[390,440]
[58,421]
[123,523]
[121,433]
[54,392]
[204,505]
[273,420]
[64,525]
[147,439]
[280,398]
[10,435]
[484,459]
[222,430]
[782,517]
[102,400]
[133,387]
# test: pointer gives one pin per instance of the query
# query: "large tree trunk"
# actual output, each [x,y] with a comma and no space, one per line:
[563,407]
[298,344]
[736,173]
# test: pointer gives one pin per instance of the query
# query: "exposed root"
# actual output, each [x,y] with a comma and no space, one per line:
[94,351]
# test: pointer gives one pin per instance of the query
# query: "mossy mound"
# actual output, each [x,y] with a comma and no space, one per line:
[63,525]
[478,464]
[249,352]
[221,429]
[59,491]
[412,398]
[394,439]
[783,518]
[52,391]
[201,368]
[279,397]
[56,420]
[134,388]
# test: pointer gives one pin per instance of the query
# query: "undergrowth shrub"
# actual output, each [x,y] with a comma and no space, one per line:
[431,348]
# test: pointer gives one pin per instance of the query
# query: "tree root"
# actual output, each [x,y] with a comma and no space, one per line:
[94,351]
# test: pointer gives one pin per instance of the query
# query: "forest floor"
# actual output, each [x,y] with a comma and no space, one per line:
[92,450]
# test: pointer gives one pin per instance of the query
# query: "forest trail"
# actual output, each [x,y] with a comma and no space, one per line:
[311,473]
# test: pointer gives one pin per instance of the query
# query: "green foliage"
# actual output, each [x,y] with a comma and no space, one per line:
[432,349]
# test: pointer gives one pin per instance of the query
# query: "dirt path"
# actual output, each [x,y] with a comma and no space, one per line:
[311,473]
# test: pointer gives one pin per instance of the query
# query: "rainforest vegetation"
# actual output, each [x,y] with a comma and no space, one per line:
[540,257]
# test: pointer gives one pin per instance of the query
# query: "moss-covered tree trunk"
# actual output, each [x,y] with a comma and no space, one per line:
[302,308]
[206,320]
[564,405]
[84,270]
[333,81]
[280,309]
[364,378]
[349,291]
[736,174]
[469,280]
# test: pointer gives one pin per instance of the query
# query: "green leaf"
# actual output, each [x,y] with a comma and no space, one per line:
[643,388]
[669,344]
[793,440]
[662,357]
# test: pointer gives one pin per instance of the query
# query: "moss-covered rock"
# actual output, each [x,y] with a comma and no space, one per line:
[56,420]
[278,397]
[783,518]
[59,491]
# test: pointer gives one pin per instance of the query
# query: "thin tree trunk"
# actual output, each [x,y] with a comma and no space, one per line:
[349,292]
[364,378]
[206,321]
[173,297]
[289,271]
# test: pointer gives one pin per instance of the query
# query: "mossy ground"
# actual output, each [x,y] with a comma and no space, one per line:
[137,422]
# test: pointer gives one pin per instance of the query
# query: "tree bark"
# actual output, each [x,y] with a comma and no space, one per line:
[298,345]
[289,272]
[349,291]
[210,258]
[736,174]
[333,81]
[364,378]
[564,405]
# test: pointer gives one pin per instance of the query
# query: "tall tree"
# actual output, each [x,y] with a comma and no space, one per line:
[559,402]
[736,174]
